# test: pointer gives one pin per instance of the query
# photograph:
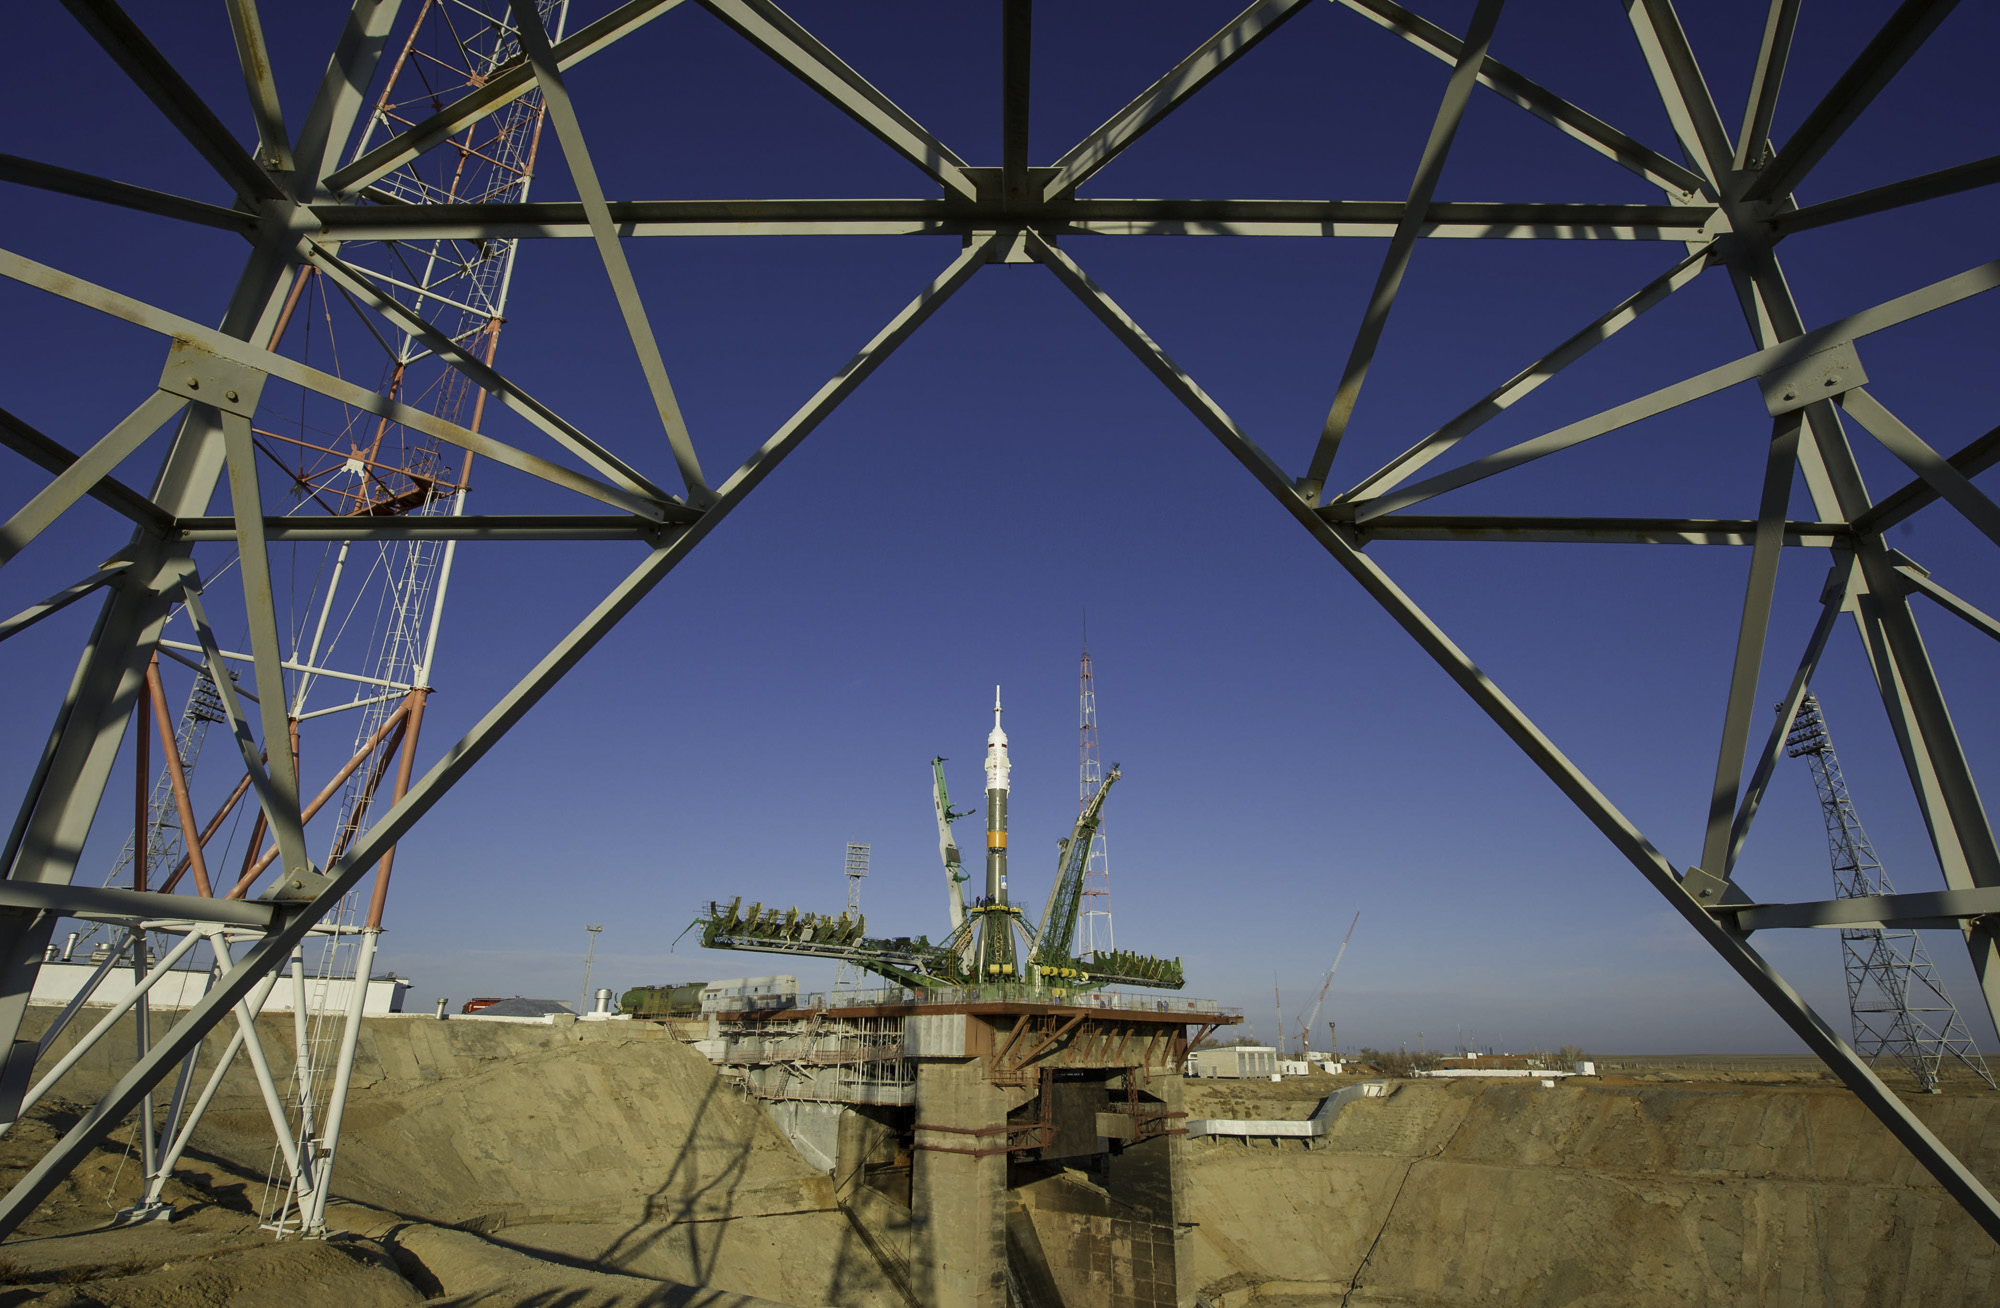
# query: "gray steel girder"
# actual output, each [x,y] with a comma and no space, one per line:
[1728,204]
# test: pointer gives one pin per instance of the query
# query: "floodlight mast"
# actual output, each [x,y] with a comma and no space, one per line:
[847,976]
[1729,205]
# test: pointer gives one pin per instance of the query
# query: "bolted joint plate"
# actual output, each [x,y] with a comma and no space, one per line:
[300,887]
[195,374]
[1821,375]
[1712,891]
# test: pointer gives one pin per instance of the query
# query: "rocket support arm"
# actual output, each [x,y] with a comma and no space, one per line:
[1058,932]
[954,870]
[905,961]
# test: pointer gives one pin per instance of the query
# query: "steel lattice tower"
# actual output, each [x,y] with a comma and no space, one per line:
[1096,933]
[1897,1000]
[362,631]
[336,229]
[445,301]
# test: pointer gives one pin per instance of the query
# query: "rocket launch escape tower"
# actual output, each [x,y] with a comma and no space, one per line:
[991,945]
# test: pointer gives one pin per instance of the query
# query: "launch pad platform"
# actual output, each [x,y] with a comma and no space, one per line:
[962,1122]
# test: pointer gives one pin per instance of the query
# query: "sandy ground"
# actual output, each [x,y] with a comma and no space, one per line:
[74,1254]
[558,1154]
[518,1167]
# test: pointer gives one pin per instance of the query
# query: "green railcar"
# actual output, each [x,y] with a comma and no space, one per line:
[663,1001]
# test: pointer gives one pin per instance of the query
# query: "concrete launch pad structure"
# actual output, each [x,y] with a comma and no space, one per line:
[1729,199]
[982,1134]
[997,1107]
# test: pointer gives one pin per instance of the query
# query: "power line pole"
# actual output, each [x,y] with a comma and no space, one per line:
[590,958]
[1894,993]
[1278,1002]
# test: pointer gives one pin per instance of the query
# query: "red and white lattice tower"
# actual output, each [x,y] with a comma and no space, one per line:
[364,615]
[1095,937]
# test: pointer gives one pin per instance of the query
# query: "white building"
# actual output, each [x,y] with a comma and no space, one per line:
[59,982]
[750,993]
[1234,1061]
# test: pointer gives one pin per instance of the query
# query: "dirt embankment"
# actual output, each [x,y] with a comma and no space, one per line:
[604,1166]
[1591,1193]
[214,1253]
[582,1149]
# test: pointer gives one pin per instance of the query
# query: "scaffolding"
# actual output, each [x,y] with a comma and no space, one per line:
[829,1057]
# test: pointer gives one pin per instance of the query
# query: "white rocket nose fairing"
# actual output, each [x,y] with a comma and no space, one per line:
[997,766]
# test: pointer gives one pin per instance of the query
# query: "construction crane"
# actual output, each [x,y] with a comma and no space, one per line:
[1305,1027]
[1895,998]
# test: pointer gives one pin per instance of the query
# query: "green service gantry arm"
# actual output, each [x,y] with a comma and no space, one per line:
[954,871]
[906,961]
[1058,933]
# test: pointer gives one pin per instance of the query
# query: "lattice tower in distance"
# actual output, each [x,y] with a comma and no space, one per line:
[1095,936]
[1898,1002]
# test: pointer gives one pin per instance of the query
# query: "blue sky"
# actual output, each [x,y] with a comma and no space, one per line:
[1290,756]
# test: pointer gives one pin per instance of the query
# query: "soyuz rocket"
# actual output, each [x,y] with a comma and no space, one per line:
[996,932]
[997,768]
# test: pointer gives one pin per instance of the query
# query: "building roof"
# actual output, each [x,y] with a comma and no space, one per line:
[524,1008]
